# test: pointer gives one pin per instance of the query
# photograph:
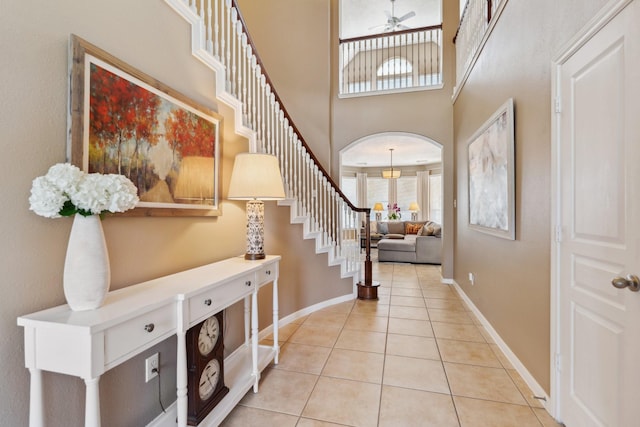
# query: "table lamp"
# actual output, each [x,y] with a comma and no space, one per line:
[378,208]
[255,177]
[414,209]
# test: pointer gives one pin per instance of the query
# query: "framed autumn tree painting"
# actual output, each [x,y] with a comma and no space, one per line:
[122,121]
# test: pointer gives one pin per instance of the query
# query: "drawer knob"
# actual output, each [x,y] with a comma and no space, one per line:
[207,301]
[248,283]
[149,327]
[268,272]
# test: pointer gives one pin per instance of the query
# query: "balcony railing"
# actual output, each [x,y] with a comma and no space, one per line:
[398,61]
[476,23]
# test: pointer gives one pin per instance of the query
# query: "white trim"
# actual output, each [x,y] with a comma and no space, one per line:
[304,312]
[606,14]
[391,91]
[513,359]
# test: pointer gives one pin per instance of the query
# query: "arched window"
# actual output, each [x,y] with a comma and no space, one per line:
[394,73]
[394,66]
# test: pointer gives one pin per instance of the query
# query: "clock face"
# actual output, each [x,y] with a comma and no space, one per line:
[208,336]
[209,379]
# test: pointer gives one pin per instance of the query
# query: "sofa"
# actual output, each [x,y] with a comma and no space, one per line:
[417,242]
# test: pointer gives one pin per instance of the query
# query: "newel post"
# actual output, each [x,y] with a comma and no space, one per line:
[368,290]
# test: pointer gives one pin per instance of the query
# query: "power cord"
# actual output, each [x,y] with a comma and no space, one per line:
[157,371]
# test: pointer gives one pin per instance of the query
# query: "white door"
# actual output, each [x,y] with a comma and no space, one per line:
[599,155]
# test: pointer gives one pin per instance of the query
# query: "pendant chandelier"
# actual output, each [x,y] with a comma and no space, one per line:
[391,173]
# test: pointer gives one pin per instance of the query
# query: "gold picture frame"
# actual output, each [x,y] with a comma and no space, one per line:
[123,121]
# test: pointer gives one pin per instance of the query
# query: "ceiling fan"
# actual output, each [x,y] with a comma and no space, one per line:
[393,22]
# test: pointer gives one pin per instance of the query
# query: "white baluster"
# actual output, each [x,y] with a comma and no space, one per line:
[262,112]
[283,152]
[255,85]
[271,120]
[243,74]
[209,27]
[232,58]
[224,38]
[295,169]
[217,31]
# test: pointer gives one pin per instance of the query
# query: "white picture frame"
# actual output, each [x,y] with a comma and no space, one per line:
[491,175]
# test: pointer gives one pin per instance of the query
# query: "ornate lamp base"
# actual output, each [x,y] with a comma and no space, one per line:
[255,230]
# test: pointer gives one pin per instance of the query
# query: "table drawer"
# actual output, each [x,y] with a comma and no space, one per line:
[137,333]
[215,299]
[267,274]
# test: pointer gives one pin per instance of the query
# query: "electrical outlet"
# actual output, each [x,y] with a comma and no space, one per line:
[472,279]
[151,367]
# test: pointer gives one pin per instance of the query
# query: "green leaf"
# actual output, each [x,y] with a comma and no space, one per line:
[68,209]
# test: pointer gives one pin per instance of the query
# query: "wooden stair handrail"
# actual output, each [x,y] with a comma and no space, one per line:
[288,117]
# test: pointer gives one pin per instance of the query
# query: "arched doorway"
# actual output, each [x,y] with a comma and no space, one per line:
[416,157]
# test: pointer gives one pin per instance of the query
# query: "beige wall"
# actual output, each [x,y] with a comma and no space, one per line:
[148,35]
[512,277]
[292,39]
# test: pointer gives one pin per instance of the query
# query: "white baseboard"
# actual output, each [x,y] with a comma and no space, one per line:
[305,311]
[511,357]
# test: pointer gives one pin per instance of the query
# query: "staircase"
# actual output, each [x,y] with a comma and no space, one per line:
[219,39]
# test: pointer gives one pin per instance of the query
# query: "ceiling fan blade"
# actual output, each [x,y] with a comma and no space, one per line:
[407,16]
[402,27]
[377,27]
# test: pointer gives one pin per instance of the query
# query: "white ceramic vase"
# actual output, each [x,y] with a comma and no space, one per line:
[87,275]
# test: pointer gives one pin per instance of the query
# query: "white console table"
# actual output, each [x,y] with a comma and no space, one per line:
[88,343]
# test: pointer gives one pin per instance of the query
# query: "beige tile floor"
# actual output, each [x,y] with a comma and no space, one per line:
[416,357]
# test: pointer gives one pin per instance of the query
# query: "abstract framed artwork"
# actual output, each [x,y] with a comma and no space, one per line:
[125,122]
[491,173]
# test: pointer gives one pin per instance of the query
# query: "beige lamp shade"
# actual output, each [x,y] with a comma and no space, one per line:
[413,207]
[391,173]
[378,207]
[256,177]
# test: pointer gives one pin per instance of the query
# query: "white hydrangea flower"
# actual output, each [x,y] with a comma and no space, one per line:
[91,194]
[46,199]
[123,194]
[64,176]
[88,194]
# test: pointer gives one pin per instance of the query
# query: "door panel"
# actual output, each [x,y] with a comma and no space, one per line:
[599,140]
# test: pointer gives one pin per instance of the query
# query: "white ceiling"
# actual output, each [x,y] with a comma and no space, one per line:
[358,16]
[409,150]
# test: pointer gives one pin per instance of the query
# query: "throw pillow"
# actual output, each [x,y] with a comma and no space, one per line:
[383,228]
[428,230]
[396,227]
[373,226]
[394,236]
[412,228]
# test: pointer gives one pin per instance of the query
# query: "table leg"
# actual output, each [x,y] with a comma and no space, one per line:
[36,410]
[92,403]
[254,339]
[247,319]
[276,343]
[181,379]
